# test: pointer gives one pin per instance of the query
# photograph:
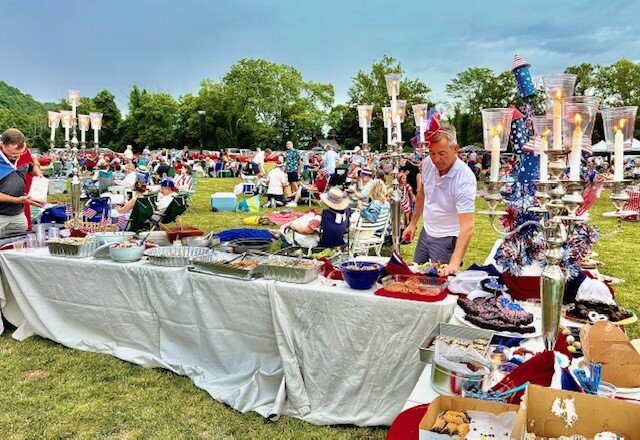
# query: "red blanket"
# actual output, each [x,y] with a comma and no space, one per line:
[281,218]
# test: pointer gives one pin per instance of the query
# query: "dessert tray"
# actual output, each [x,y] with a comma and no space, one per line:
[502,315]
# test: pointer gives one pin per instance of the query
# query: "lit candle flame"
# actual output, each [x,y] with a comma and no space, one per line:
[546,133]
[558,95]
[577,119]
[620,124]
[495,131]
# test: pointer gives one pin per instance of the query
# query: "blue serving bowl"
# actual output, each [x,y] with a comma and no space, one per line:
[362,278]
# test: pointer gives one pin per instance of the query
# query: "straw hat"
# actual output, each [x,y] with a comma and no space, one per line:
[336,199]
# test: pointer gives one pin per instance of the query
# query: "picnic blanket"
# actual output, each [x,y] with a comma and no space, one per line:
[280,218]
[238,233]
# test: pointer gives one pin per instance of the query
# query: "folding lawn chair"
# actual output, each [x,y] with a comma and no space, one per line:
[143,213]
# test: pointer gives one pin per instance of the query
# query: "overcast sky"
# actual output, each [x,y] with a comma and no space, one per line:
[47,47]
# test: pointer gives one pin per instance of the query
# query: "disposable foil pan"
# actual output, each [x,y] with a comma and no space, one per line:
[71,250]
[291,270]
[214,264]
[173,256]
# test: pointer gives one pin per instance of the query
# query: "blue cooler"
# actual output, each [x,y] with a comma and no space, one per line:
[223,201]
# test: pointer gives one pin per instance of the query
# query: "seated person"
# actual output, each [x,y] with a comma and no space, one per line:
[129,178]
[324,230]
[367,181]
[168,191]
[372,211]
[276,182]
[184,178]
[311,190]
[139,189]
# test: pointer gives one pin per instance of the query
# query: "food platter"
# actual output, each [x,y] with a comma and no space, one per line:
[460,315]
[598,312]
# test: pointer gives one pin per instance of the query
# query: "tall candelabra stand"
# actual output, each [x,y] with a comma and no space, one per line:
[557,200]
[71,122]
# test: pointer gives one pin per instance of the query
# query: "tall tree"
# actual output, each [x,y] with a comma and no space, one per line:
[371,88]
[104,102]
[157,117]
[619,83]
[275,102]
[585,73]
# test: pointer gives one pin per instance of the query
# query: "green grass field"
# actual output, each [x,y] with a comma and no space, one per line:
[54,392]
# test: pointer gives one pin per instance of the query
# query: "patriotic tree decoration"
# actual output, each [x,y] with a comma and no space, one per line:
[527,246]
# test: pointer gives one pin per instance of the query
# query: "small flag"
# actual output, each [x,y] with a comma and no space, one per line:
[122,221]
[69,211]
[89,212]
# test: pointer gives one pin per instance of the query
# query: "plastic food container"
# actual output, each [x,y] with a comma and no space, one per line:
[463,333]
[112,237]
[451,383]
[291,270]
[173,256]
[416,284]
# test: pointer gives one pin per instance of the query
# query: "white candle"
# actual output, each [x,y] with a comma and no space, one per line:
[399,130]
[66,134]
[95,135]
[495,154]
[389,136]
[394,108]
[618,153]
[83,136]
[422,127]
[544,158]
[365,137]
[557,121]
[53,134]
[576,149]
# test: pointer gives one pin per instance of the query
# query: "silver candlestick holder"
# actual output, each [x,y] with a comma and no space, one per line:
[557,201]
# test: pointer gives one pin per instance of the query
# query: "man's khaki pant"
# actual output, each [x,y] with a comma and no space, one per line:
[11,224]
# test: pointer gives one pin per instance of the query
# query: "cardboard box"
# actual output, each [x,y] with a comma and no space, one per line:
[444,403]
[595,414]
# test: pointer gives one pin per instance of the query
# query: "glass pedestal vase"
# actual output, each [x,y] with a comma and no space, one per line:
[552,285]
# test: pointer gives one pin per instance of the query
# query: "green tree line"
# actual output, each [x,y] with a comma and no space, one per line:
[258,103]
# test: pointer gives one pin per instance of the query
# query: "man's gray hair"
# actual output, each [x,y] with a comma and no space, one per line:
[449,132]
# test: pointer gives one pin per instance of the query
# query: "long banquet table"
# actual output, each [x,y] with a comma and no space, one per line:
[320,352]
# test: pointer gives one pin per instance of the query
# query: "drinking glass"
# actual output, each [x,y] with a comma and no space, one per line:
[54,233]
[18,245]
[31,241]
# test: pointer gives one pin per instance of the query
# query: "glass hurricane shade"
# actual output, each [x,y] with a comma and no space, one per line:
[579,117]
[543,128]
[401,111]
[496,124]
[74,97]
[67,118]
[556,88]
[54,119]
[96,120]
[365,112]
[419,112]
[393,83]
[84,121]
[620,122]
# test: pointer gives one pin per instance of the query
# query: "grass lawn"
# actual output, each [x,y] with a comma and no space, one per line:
[52,391]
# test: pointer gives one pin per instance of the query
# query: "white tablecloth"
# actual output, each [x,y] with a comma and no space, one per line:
[320,352]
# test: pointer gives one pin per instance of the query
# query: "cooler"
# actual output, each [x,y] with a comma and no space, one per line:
[223,201]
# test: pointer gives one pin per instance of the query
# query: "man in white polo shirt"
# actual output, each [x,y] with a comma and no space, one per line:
[447,202]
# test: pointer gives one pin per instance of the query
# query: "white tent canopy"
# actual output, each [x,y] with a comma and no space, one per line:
[601,147]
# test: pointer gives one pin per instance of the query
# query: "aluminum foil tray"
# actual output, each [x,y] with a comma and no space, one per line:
[453,331]
[65,247]
[173,256]
[214,264]
[291,270]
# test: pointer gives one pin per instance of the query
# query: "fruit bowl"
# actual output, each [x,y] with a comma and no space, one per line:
[126,252]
